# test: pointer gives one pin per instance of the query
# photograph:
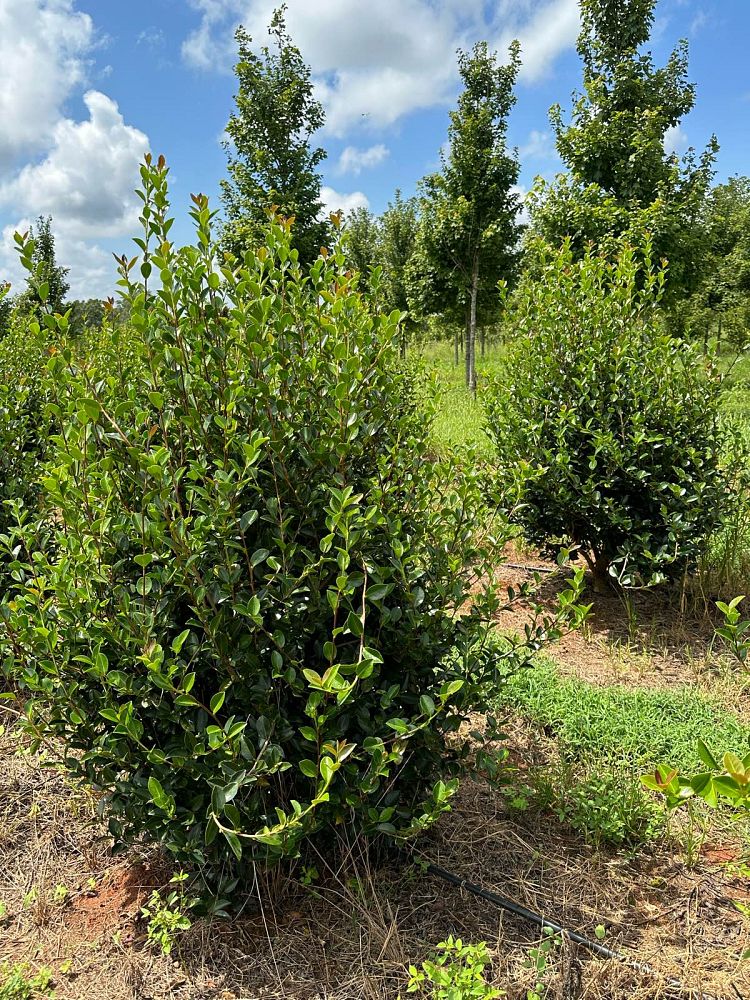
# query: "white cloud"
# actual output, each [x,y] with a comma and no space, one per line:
[87,179]
[553,27]
[43,49]
[354,161]
[539,146]
[82,173]
[92,269]
[375,63]
[675,139]
[333,201]
[152,38]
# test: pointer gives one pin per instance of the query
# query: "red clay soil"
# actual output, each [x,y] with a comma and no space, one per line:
[114,905]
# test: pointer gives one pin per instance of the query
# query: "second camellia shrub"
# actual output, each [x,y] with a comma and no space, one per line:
[607,429]
[23,423]
[253,622]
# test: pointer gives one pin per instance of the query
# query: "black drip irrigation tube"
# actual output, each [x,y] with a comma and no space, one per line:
[596,947]
[532,569]
[593,946]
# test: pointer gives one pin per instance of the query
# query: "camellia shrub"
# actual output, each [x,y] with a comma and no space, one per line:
[255,621]
[607,429]
[23,424]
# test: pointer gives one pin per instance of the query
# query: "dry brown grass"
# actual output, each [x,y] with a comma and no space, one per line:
[352,933]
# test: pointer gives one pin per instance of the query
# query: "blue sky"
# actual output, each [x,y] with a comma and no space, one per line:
[87,86]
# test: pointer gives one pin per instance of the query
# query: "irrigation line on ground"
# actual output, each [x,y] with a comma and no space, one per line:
[594,946]
[532,569]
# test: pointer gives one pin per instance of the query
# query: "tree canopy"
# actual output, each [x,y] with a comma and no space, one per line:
[624,179]
[469,233]
[272,161]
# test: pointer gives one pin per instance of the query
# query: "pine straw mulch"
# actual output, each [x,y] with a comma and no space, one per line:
[353,932]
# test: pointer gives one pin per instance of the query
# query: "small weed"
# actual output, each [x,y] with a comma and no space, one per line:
[538,960]
[60,894]
[735,632]
[18,982]
[310,874]
[455,973]
[613,809]
[609,808]
[166,916]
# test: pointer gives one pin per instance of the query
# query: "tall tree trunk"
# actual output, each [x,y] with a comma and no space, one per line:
[471,339]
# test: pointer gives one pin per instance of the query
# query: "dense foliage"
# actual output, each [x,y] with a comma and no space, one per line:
[253,622]
[623,176]
[607,429]
[24,423]
[271,161]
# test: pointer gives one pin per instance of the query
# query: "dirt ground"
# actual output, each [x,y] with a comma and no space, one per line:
[70,905]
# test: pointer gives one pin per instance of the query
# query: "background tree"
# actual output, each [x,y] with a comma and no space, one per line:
[271,160]
[721,303]
[86,314]
[47,275]
[398,230]
[362,242]
[6,309]
[469,233]
[622,178]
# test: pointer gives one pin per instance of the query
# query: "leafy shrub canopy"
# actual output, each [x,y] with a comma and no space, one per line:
[607,430]
[24,423]
[254,619]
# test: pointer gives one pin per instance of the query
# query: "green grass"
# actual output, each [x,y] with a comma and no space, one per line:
[617,725]
[460,416]
[737,399]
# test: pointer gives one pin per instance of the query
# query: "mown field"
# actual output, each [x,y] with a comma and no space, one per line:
[563,827]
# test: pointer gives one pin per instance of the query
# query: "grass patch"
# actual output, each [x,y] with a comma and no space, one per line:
[618,725]
[459,419]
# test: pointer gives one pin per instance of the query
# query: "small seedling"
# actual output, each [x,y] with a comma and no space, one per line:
[60,894]
[167,916]
[310,874]
[455,973]
[19,982]
[538,960]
